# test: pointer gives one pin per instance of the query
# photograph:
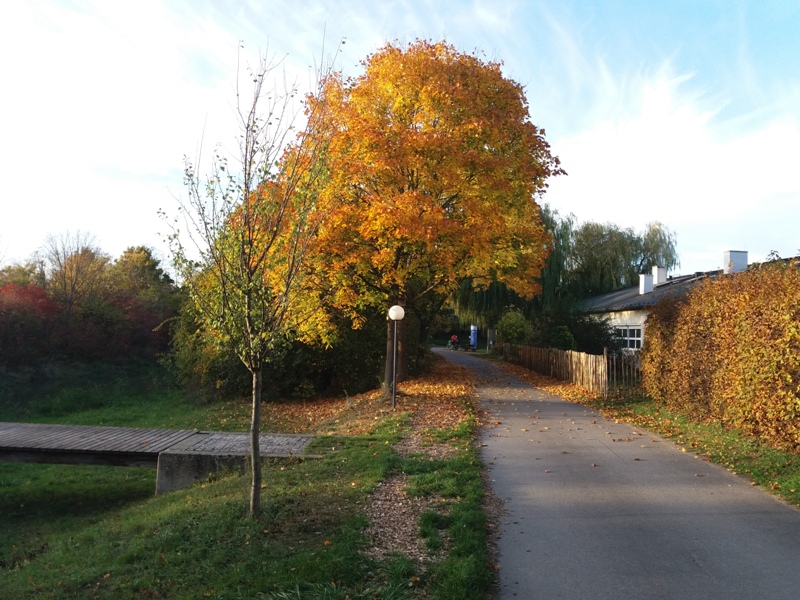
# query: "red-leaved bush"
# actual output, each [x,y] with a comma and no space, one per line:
[28,319]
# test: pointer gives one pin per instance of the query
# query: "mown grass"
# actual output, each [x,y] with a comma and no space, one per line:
[116,396]
[98,532]
[775,470]
[199,542]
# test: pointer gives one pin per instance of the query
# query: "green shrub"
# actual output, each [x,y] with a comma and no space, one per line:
[297,370]
[562,339]
[514,328]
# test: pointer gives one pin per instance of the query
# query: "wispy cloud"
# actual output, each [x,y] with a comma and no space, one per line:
[670,159]
[690,117]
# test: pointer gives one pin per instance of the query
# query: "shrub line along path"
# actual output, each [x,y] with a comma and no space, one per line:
[598,509]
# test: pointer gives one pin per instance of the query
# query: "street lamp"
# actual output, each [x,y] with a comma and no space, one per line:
[396,313]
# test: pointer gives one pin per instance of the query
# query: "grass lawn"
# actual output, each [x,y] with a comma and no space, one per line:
[98,532]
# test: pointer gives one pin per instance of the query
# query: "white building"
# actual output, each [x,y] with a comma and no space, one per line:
[628,309]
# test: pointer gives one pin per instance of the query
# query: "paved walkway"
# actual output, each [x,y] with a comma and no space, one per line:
[597,509]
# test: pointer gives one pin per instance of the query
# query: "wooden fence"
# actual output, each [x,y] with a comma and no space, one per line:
[624,371]
[599,374]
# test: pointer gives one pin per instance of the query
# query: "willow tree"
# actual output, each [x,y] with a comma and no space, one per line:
[591,258]
[487,306]
[605,257]
[436,169]
[251,226]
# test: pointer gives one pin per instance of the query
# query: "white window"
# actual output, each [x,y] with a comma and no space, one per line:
[631,336]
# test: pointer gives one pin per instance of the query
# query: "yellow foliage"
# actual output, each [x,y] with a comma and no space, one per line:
[731,352]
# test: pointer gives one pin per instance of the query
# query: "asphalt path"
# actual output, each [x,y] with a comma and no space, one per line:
[598,509]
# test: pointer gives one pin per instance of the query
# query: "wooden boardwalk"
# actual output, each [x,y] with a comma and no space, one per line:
[181,456]
[128,446]
[80,444]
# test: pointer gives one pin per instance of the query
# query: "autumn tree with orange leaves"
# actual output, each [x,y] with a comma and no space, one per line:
[436,169]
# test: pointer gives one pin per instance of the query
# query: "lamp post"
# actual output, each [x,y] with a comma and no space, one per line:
[396,313]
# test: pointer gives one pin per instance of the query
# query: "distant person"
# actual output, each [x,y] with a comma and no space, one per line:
[454,342]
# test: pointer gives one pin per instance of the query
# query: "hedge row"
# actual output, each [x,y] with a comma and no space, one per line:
[731,352]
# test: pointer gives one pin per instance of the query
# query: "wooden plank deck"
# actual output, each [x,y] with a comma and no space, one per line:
[80,444]
[181,456]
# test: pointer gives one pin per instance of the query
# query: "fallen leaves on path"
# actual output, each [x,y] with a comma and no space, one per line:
[436,400]
[568,391]
[439,401]
[298,416]
[393,517]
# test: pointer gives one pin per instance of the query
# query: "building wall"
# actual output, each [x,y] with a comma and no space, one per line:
[635,318]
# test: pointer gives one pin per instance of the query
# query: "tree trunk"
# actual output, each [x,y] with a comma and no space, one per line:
[255,444]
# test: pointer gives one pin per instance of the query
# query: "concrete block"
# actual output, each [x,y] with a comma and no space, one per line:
[177,470]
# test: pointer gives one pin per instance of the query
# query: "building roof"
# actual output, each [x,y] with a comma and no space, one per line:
[631,299]
[674,287]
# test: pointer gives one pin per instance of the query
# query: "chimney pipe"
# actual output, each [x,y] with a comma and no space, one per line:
[734,261]
[645,284]
[659,275]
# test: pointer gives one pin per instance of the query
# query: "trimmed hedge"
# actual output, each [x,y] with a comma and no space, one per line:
[730,352]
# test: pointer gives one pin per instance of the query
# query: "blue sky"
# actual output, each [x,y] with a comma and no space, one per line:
[684,112]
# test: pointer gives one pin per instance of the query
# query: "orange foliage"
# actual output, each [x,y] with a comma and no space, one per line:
[437,400]
[731,353]
[435,167]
